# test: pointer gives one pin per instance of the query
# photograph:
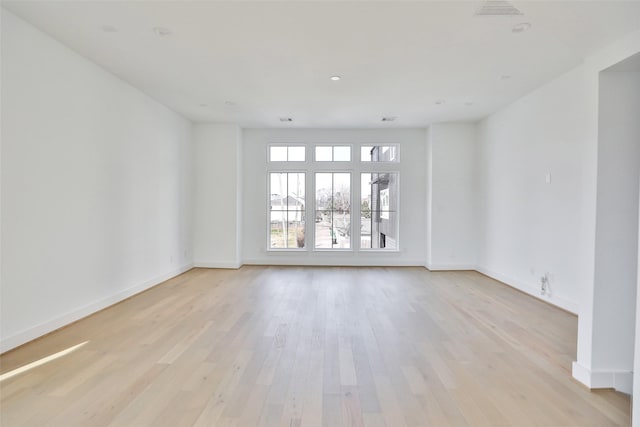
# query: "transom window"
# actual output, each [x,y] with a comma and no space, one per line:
[379,153]
[333,153]
[287,153]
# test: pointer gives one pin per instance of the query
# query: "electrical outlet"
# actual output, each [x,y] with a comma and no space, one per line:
[544,284]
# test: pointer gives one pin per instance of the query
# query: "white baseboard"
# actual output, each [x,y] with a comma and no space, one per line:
[450,267]
[334,262]
[58,322]
[531,289]
[619,380]
[206,264]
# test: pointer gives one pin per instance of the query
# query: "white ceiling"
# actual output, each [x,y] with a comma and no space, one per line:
[274,59]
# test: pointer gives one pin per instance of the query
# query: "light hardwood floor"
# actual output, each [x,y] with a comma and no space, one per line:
[295,346]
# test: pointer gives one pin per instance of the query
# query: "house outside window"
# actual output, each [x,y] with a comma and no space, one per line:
[287,210]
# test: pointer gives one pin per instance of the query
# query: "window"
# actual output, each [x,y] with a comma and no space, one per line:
[287,210]
[333,210]
[353,203]
[379,210]
[287,153]
[333,153]
[379,153]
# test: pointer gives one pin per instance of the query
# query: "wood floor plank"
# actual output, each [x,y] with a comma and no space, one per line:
[310,347]
[347,366]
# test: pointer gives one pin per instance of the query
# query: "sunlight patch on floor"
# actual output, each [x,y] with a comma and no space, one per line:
[40,362]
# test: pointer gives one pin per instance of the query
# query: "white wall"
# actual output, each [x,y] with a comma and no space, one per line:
[412,196]
[528,227]
[218,201]
[636,358]
[616,226]
[451,220]
[96,187]
[428,195]
[1,96]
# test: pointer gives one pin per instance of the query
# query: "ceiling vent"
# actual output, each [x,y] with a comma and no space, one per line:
[286,119]
[497,8]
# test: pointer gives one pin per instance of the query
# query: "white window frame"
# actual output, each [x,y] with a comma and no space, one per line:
[396,159]
[306,203]
[333,145]
[287,145]
[351,240]
[356,167]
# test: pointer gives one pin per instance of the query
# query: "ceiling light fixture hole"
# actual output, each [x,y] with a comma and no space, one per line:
[162,31]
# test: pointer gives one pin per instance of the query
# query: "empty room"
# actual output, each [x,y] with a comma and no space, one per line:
[319,213]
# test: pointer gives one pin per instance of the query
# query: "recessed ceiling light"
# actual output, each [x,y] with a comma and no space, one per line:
[286,119]
[335,78]
[109,29]
[440,101]
[389,118]
[161,31]
[505,77]
[230,103]
[204,105]
[521,27]
[468,103]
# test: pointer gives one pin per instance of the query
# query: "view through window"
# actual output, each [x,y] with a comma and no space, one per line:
[287,210]
[379,210]
[333,210]
[337,181]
